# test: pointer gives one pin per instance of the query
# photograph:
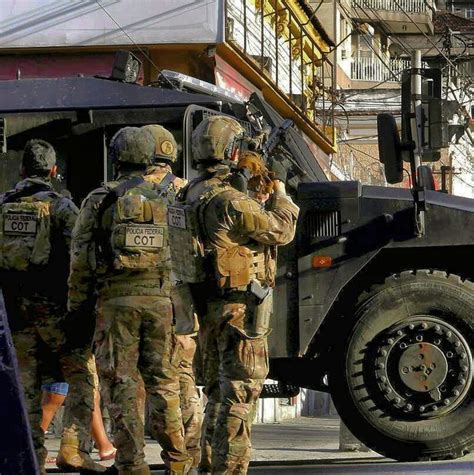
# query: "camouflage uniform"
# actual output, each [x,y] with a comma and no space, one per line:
[135,335]
[234,323]
[190,398]
[35,302]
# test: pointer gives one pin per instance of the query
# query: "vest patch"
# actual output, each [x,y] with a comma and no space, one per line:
[19,224]
[143,236]
[177,217]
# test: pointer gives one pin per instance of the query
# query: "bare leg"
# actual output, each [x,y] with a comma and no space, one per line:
[99,435]
[51,403]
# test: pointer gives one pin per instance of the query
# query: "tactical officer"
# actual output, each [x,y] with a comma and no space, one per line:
[223,244]
[186,339]
[120,251]
[35,235]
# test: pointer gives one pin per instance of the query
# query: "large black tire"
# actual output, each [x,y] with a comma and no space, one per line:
[379,397]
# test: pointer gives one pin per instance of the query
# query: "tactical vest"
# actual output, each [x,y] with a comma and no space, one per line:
[190,259]
[137,237]
[195,261]
[25,232]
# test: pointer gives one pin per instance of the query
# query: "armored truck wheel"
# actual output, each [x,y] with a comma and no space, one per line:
[403,383]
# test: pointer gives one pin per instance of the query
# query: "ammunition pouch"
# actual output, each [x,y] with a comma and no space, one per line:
[238,266]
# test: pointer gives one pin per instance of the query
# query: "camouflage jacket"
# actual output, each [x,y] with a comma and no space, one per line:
[90,272]
[51,281]
[235,225]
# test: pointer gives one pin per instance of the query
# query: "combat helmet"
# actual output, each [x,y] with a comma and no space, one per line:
[132,145]
[216,138]
[166,148]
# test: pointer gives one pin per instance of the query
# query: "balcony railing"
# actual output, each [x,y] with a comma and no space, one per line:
[409,6]
[286,52]
[373,69]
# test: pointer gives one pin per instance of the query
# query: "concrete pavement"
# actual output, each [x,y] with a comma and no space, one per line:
[310,445]
[305,438]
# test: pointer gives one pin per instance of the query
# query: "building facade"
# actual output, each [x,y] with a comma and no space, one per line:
[375,40]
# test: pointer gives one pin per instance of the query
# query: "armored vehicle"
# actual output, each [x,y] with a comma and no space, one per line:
[373,304]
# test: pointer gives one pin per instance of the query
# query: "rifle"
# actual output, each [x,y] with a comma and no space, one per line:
[273,146]
[277,135]
[271,149]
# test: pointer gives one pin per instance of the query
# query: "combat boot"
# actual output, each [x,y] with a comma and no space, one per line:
[179,468]
[71,458]
[143,470]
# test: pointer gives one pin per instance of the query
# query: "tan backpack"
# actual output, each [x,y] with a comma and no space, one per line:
[138,235]
[25,234]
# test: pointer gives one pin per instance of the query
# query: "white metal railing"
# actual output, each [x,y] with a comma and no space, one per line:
[373,69]
[276,42]
[410,6]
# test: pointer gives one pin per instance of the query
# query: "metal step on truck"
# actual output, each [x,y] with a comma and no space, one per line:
[375,297]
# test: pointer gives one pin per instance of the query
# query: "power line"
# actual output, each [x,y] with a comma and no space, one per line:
[362,152]
[396,40]
[427,37]
[404,47]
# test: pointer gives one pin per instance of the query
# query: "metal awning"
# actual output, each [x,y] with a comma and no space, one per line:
[61,94]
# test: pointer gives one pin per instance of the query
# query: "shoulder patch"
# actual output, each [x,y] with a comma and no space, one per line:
[244,204]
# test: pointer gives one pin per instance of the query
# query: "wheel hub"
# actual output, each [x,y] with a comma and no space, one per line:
[423,367]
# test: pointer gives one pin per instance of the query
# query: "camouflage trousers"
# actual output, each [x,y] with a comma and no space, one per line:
[134,338]
[191,408]
[41,348]
[233,343]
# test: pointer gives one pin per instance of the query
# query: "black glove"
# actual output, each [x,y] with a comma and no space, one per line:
[278,168]
[240,179]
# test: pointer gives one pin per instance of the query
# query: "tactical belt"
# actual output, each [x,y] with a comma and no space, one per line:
[254,288]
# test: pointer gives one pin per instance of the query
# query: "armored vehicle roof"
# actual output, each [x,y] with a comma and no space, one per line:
[31,95]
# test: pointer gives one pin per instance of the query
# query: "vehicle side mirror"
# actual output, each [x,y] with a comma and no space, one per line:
[390,149]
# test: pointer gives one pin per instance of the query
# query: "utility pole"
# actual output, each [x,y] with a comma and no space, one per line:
[417,127]
[417,108]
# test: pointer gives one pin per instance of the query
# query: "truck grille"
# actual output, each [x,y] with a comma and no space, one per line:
[323,224]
